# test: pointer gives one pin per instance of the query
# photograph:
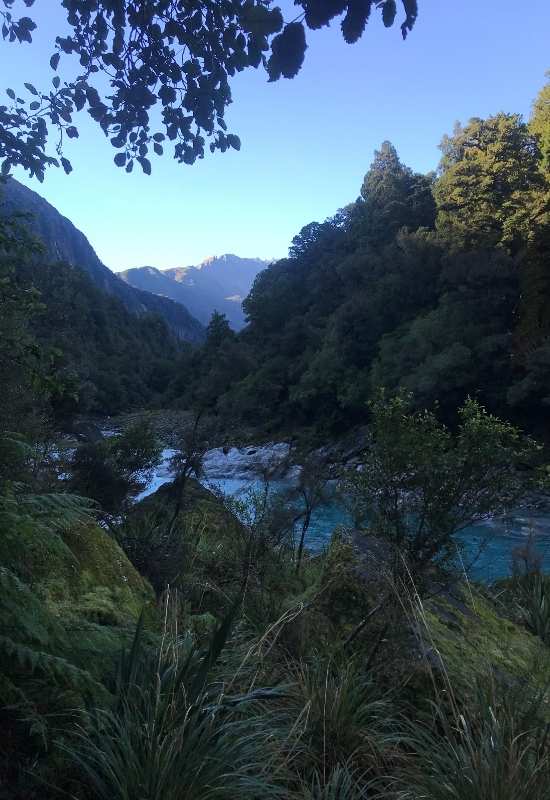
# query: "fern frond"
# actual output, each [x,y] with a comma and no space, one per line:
[20,609]
[58,669]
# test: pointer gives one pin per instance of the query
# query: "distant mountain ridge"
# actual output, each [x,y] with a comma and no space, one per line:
[219,283]
[64,242]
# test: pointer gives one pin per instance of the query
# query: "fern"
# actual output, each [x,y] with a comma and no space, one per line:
[50,512]
[61,671]
[21,611]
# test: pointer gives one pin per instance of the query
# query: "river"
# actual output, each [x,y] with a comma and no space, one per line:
[486,546]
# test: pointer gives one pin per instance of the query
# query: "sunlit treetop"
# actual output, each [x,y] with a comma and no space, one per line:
[168,65]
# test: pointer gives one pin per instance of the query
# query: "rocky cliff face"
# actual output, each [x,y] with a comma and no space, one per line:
[64,242]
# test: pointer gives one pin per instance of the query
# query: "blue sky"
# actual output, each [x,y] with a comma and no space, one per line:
[306,143]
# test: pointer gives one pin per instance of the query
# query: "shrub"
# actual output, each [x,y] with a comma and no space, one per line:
[495,747]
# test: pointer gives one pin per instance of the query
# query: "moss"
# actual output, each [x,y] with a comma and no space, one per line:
[67,566]
[37,556]
[105,575]
[475,639]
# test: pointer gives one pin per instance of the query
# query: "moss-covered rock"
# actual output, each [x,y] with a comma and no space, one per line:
[82,567]
[201,553]
[72,566]
[471,639]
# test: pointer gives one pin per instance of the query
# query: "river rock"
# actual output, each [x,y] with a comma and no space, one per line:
[247,462]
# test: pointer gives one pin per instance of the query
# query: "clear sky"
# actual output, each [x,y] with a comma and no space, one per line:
[306,143]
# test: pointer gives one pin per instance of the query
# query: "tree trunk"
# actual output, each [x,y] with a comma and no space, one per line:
[305,526]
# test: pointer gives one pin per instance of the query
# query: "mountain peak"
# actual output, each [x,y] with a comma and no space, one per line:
[219,283]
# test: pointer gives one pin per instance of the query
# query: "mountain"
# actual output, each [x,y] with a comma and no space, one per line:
[65,243]
[219,283]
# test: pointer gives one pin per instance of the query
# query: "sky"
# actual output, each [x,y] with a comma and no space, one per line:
[306,143]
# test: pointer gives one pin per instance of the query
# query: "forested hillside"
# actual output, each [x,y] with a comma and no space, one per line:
[63,242]
[93,354]
[439,284]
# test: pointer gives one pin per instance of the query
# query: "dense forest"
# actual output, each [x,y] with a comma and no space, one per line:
[188,645]
[434,283]
[81,341]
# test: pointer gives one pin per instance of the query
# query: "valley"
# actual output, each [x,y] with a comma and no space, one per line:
[274,528]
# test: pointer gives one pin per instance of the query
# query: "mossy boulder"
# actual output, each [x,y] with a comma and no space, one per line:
[105,575]
[77,569]
[472,638]
[71,600]
[199,553]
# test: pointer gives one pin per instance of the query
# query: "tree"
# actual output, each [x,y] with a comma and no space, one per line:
[218,331]
[311,490]
[114,470]
[420,483]
[490,183]
[539,124]
[461,346]
[493,191]
[162,53]
[394,196]
[24,369]
[535,317]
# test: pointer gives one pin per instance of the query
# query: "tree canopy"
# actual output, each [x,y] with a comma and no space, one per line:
[437,284]
[168,65]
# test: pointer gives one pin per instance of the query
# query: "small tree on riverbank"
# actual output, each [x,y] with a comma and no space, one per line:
[420,483]
[311,492]
[113,470]
[192,441]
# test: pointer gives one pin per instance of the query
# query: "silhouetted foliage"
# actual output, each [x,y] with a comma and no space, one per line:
[180,57]
[114,469]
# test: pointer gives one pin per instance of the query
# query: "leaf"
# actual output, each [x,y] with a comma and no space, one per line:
[92,96]
[320,12]
[287,52]
[217,644]
[261,21]
[72,132]
[79,99]
[56,81]
[389,10]
[10,93]
[411,10]
[145,165]
[120,159]
[167,95]
[54,60]
[234,141]
[254,55]
[30,88]
[35,105]
[355,21]
[67,166]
